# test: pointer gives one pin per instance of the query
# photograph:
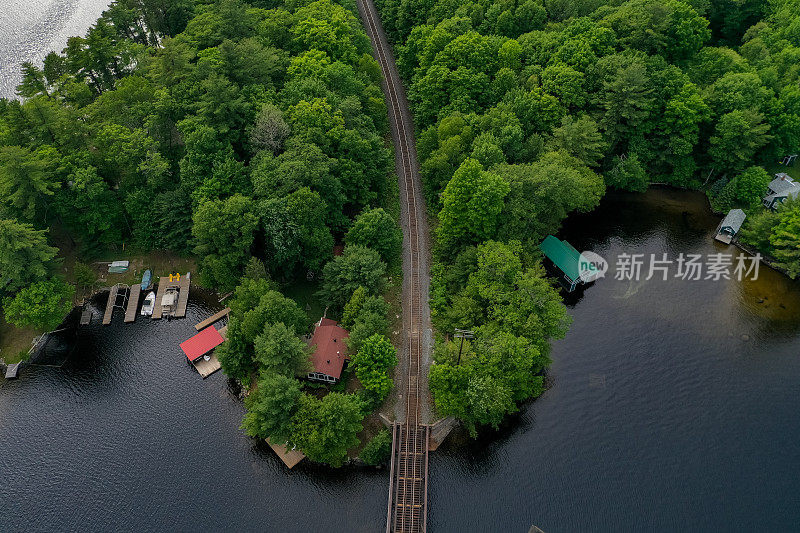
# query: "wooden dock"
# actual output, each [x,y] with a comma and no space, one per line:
[112,300]
[164,285]
[210,320]
[133,303]
[86,316]
[11,371]
[183,296]
[289,457]
[162,290]
[206,368]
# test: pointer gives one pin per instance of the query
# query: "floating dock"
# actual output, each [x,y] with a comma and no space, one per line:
[289,457]
[164,285]
[210,320]
[133,303]
[11,371]
[86,316]
[112,300]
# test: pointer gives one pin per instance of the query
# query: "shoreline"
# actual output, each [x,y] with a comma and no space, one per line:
[764,259]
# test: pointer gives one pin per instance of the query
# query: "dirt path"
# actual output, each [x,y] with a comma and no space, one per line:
[411,376]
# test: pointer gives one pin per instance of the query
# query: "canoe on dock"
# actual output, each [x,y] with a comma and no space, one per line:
[146,279]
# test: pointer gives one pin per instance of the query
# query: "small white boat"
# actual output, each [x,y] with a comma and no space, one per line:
[149,304]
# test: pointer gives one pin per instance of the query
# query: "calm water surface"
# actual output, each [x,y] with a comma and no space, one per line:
[660,417]
[30,29]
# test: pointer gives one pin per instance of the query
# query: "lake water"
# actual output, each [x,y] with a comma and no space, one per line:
[660,416]
[30,29]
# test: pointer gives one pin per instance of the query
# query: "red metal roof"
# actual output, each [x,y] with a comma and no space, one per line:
[329,354]
[202,343]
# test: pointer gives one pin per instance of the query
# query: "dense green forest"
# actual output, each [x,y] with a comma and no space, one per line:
[528,109]
[250,135]
[224,129]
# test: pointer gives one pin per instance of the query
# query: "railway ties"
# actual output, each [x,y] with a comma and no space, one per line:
[410,462]
[408,487]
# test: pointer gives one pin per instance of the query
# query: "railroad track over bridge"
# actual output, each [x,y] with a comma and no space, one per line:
[408,485]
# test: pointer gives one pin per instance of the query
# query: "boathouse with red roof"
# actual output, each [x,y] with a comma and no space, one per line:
[329,353]
[201,344]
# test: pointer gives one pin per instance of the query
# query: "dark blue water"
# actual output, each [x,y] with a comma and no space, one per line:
[660,416]
[126,436]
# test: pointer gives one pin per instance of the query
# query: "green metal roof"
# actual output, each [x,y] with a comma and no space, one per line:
[563,255]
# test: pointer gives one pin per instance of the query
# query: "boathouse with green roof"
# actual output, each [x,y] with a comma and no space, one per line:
[564,259]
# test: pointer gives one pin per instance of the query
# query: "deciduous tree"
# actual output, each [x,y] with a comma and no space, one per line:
[376,229]
[325,429]
[373,361]
[223,231]
[471,207]
[41,305]
[271,406]
[357,266]
[278,350]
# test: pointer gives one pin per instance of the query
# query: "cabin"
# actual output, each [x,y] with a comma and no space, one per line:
[562,258]
[781,188]
[329,351]
[730,226]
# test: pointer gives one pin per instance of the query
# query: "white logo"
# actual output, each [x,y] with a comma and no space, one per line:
[591,266]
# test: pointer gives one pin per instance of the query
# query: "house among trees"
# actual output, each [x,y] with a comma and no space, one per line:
[781,188]
[730,226]
[328,357]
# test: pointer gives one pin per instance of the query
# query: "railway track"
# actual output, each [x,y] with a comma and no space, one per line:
[408,485]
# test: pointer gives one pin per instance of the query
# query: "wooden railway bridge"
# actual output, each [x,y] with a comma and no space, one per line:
[408,485]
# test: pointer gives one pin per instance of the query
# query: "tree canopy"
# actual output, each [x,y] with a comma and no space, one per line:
[358,266]
[378,230]
[325,429]
[42,305]
[227,129]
